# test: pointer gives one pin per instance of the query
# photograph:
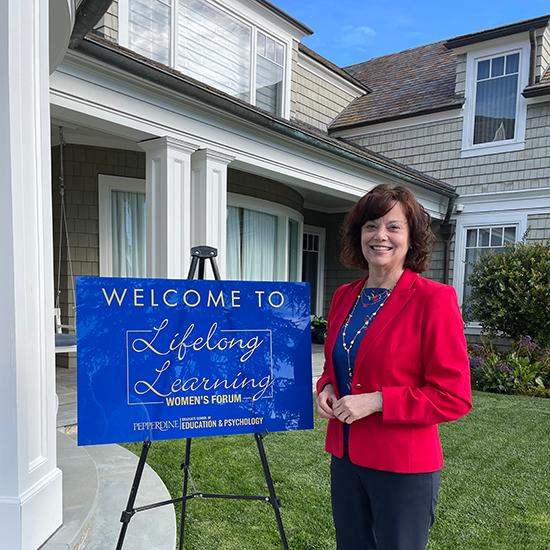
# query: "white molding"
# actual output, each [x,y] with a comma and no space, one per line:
[324,73]
[400,124]
[497,48]
[320,298]
[531,200]
[105,186]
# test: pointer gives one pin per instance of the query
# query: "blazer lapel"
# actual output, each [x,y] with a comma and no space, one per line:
[399,297]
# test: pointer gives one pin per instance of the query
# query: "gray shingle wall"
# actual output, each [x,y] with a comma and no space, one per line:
[460,86]
[434,148]
[314,100]
[543,58]
[538,227]
[107,26]
[244,183]
[82,166]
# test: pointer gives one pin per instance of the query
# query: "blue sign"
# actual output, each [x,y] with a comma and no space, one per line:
[168,359]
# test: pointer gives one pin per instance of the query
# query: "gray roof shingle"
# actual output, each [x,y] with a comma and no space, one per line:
[408,83]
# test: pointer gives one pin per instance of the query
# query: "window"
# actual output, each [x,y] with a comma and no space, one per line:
[262,240]
[209,44]
[122,227]
[479,241]
[313,265]
[495,112]
[496,98]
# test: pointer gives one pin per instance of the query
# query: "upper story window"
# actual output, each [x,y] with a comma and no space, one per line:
[496,98]
[211,45]
[495,112]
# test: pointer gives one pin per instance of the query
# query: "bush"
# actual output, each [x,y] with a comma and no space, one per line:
[524,370]
[511,292]
[318,329]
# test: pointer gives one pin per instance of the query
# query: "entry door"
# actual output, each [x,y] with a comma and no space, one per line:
[313,265]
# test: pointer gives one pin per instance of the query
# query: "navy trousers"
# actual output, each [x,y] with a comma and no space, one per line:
[376,510]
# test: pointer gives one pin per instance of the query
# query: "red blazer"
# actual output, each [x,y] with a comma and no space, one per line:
[415,353]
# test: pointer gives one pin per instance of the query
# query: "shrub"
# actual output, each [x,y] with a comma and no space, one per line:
[318,329]
[525,369]
[511,292]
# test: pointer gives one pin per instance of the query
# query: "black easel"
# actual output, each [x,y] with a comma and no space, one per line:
[199,255]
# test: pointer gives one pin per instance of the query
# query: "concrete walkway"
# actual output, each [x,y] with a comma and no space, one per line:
[97,481]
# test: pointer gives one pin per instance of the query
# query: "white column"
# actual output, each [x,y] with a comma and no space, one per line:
[209,200]
[30,482]
[168,196]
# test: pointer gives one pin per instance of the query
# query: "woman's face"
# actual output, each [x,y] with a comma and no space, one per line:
[385,241]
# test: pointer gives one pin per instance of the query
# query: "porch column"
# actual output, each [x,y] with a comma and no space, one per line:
[30,482]
[168,192]
[209,200]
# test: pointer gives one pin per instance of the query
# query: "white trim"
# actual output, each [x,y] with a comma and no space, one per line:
[508,47]
[282,213]
[530,200]
[320,298]
[304,61]
[400,124]
[107,184]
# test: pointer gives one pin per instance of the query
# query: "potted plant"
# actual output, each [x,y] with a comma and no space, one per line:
[318,329]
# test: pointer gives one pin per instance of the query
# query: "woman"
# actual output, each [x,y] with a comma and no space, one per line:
[396,365]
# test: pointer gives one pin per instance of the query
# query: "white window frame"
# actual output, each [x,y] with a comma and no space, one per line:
[282,213]
[518,143]
[320,298]
[107,184]
[255,26]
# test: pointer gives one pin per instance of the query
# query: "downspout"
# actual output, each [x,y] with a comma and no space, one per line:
[89,12]
[447,230]
[532,57]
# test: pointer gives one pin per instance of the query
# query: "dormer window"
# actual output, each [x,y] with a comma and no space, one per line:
[209,44]
[496,98]
[495,112]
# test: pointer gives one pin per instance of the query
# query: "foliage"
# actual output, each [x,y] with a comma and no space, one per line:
[491,495]
[525,369]
[318,329]
[511,292]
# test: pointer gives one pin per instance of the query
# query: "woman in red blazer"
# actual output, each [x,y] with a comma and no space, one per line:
[396,365]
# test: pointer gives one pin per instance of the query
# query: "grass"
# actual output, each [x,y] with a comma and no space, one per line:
[495,488]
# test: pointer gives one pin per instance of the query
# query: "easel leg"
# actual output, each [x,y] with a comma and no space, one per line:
[185,468]
[271,488]
[129,512]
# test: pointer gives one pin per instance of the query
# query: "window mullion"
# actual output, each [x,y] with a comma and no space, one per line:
[173,30]
[253,55]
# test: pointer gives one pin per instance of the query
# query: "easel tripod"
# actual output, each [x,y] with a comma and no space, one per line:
[199,255]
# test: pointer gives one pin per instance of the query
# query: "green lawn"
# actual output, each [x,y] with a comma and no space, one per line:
[495,490]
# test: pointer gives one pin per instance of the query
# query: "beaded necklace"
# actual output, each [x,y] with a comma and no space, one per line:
[379,300]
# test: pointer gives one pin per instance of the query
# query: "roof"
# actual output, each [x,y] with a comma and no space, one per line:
[542,87]
[332,67]
[285,16]
[124,59]
[409,83]
[498,32]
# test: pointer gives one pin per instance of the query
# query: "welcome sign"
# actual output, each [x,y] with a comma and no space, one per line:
[169,359]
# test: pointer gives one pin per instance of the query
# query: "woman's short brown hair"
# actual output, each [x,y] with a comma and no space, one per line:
[375,204]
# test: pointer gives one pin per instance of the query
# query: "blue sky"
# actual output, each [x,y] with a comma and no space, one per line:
[351,31]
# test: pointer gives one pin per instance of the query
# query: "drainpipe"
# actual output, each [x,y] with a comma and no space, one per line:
[447,230]
[88,13]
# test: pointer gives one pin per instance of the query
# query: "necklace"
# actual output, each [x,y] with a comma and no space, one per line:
[374,299]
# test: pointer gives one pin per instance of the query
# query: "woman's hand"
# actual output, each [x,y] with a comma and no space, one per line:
[350,408]
[325,401]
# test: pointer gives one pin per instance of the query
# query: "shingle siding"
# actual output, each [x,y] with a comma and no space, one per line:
[538,228]
[434,148]
[460,86]
[543,60]
[107,26]
[314,100]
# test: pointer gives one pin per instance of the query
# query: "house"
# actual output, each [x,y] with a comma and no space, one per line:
[174,124]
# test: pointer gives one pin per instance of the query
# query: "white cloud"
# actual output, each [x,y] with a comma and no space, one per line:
[352,36]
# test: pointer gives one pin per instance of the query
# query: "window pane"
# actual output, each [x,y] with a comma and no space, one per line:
[269,76]
[509,234]
[483,237]
[310,267]
[496,236]
[471,237]
[149,29]
[259,246]
[495,111]
[293,250]
[233,252]
[213,47]
[512,63]
[128,227]
[497,66]
[483,69]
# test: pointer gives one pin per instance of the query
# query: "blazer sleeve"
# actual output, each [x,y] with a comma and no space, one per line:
[325,377]
[446,394]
